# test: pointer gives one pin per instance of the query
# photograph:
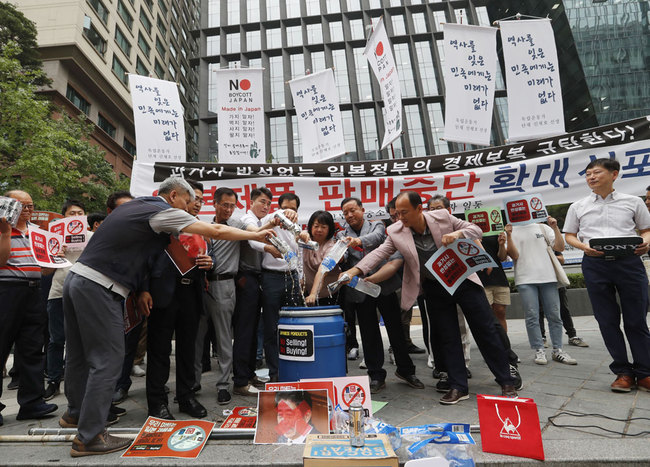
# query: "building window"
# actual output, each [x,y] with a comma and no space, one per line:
[272,9]
[369,131]
[336,31]
[420,23]
[149,4]
[293,8]
[122,41]
[253,11]
[78,101]
[174,31]
[162,29]
[314,34]
[140,68]
[333,6]
[213,45]
[297,65]
[119,70]
[214,13]
[160,47]
[273,39]
[143,44]
[232,43]
[233,12]
[172,51]
[163,7]
[405,69]
[105,125]
[124,14]
[253,40]
[363,75]
[399,28]
[350,143]
[129,146]
[313,7]
[100,9]
[146,22]
[172,70]
[160,71]
[279,151]
[425,64]
[297,144]
[94,37]
[354,5]
[294,36]
[317,61]
[277,82]
[416,134]
[437,120]
[356,28]
[341,73]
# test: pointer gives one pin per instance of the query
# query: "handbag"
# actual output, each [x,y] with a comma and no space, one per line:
[562,279]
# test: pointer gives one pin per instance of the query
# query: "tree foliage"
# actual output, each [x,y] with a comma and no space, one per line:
[50,158]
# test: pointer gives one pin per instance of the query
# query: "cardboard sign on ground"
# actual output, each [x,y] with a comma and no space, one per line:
[335,451]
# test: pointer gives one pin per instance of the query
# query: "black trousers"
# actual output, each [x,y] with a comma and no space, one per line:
[245,322]
[480,318]
[390,310]
[179,318]
[23,322]
[131,340]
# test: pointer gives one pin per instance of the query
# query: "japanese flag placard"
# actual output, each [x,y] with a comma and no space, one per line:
[45,247]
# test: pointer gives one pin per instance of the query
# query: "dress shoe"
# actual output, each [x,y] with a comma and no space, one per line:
[247,391]
[118,411]
[193,408]
[411,380]
[13,384]
[161,411]
[376,386]
[469,373]
[623,383]
[414,349]
[508,390]
[196,388]
[443,384]
[68,421]
[51,391]
[453,396]
[437,374]
[223,397]
[643,383]
[36,411]
[258,383]
[103,443]
[119,396]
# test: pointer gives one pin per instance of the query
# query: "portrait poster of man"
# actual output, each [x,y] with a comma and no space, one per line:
[287,417]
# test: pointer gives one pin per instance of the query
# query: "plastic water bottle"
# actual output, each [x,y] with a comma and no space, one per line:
[295,230]
[364,286]
[334,255]
[288,254]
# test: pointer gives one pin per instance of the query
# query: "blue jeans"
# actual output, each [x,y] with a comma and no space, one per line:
[530,295]
[56,345]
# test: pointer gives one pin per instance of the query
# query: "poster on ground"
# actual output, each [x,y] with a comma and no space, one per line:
[241,418]
[170,438]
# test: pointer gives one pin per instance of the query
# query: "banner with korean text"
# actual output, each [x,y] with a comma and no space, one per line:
[158,118]
[380,55]
[553,167]
[469,72]
[535,107]
[240,115]
[316,100]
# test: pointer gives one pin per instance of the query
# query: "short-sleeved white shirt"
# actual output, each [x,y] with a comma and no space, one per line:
[533,265]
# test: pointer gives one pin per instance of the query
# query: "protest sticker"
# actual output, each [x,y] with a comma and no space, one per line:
[296,342]
[74,231]
[241,418]
[454,263]
[351,389]
[170,438]
[46,247]
[527,209]
[489,219]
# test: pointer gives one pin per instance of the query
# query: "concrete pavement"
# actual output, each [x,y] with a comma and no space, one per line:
[583,388]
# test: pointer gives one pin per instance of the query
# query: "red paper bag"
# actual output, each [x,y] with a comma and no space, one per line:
[510,426]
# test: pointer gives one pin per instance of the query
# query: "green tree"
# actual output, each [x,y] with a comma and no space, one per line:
[51,158]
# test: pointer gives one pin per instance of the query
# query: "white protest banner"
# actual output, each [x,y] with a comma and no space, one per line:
[526,209]
[532,74]
[452,264]
[489,219]
[469,72]
[240,115]
[158,118]
[45,247]
[316,100]
[74,231]
[380,55]
[554,167]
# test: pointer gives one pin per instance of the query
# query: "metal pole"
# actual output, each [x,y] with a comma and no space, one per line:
[216,434]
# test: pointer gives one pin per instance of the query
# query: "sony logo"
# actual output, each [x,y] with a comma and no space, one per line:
[614,247]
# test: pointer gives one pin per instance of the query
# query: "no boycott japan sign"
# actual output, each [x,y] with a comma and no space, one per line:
[166,438]
[527,209]
[488,219]
[45,247]
[74,231]
[296,342]
[454,263]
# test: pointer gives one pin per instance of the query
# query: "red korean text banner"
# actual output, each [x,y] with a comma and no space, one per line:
[170,438]
[553,167]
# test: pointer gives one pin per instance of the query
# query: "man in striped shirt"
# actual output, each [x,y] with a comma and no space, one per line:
[22,320]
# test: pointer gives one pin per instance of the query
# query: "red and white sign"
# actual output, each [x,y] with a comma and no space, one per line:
[349,389]
[241,417]
[528,209]
[453,264]
[74,231]
[45,247]
[510,426]
[170,438]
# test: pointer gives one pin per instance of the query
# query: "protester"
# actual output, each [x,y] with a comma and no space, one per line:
[22,321]
[95,219]
[112,265]
[535,279]
[117,198]
[608,213]
[417,235]
[321,229]
[647,197]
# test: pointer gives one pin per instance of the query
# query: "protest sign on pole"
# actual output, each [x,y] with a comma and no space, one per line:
[316,100]
[74,230]
[553,167]
[535,107]
[469,72]
[452,264]
[158,118]
[525,209]
[45,247]
[380,55]
[240,115]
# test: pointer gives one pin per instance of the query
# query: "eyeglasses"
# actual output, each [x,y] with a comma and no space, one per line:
[228,205]
[28,207]
[199,200]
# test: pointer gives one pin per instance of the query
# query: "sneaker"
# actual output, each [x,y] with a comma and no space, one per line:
[453,396]
[103,443]
[118,411]
[223,397]
[561,356]
[119,396]
[577,342]
[36,411]
[51,391]
[362,365]
[391,357]
[430,361]
[514,372]
[353,354]
[443,385]
[138,371]
[540,357]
